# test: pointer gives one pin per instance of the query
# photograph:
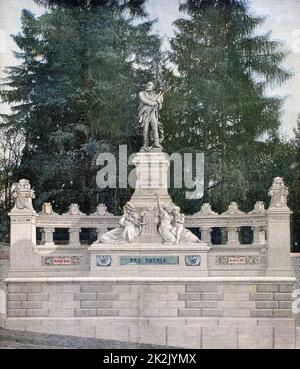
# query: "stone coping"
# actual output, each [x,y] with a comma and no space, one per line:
[153,279]
[141,247]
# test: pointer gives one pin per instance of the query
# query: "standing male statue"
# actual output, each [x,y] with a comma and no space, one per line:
[148,117]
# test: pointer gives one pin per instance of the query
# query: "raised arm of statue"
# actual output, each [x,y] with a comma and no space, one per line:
[160,209]
[160,99]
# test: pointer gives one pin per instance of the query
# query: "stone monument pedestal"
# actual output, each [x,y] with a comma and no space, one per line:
[151,260]
[186,295]
[151,176]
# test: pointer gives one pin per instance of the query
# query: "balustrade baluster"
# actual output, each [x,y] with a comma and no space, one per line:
[74,238]
[206,234]
[48,236]
[233,236]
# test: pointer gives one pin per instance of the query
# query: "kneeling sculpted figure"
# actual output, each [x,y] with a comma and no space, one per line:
[171,224]
[129,227]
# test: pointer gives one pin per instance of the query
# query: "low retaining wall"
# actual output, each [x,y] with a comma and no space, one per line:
[220,312]
[181,331]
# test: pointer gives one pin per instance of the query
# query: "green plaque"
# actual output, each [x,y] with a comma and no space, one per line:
[149,260]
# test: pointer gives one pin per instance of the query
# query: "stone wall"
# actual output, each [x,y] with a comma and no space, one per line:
[295,261]
[88,308]
[149,300]
[252,314]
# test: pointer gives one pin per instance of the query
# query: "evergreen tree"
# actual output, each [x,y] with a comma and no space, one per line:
[11,145]
[217,103]
[74,94]
[134,6]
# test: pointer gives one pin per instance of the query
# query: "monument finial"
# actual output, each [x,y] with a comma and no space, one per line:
[279,193]
[23,195]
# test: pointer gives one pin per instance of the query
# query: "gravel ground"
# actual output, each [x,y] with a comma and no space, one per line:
[27,340]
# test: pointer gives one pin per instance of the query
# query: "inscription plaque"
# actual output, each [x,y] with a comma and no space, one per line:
[61,260]
[237,260]
[149,260]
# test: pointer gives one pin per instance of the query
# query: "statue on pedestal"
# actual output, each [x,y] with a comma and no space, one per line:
[129,227]
[148,118]
[279,193]
[23,195]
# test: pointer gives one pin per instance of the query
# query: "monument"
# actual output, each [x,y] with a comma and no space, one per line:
[148,278]
[150,163]
[148,118]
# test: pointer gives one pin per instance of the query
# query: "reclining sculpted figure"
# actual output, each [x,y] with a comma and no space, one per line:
[129,228]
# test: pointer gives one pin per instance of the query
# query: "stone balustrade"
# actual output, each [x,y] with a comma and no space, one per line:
[270,228]
[232,221]
[205,221]
[48,222]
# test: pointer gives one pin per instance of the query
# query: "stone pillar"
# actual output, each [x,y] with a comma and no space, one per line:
[74,238]
[233,236]
[206,234]
[278,231]
[42,236]
[151,175]
[48,235]
[263,235]
[259,237]
[22,228]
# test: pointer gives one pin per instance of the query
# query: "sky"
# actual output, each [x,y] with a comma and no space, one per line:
[282,19]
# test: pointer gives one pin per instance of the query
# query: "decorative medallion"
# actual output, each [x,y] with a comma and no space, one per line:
[193,260]
[103,260]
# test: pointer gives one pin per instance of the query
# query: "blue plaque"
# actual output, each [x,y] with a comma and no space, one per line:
[103,260]
[149,260]
[193,260]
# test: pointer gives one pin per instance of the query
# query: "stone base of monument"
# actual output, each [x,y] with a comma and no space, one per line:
[187,312]
[182,295]
[151,176]
[149,260]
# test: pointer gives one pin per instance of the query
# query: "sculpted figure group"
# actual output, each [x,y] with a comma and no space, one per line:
[170,226]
